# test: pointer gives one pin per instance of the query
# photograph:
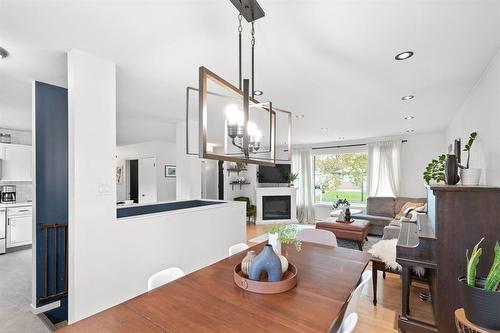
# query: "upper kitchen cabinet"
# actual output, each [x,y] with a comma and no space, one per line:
[17,161]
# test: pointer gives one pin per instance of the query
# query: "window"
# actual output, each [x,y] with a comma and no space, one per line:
[340,176]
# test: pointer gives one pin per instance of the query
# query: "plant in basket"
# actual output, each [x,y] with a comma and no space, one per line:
[481,296]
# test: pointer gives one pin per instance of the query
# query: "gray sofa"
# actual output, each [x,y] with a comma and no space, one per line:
[380,211]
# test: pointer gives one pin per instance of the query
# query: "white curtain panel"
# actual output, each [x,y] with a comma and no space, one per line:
[384,168]
[303,165]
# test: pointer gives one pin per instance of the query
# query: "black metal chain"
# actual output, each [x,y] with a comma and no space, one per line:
[240,29]
[253,63]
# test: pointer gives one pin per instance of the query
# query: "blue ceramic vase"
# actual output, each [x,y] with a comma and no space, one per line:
[266,262]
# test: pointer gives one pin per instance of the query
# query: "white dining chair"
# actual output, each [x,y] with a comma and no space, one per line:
[318,236]
[365,278]
[349,323]
[237,248]
[163,277]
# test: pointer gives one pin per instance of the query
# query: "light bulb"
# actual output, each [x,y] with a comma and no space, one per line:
[234,115]
[251,128]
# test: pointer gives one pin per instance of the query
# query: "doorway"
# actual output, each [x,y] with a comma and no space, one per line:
[134,181]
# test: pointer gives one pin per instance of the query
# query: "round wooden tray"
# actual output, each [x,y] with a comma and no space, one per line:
[289,281]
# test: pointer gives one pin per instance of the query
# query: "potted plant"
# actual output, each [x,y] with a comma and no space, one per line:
[292,176]
[481,296]
[435,170]
[344,205]
[283,234]
[469,176]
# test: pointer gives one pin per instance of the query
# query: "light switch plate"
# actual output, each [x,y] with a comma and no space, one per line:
[103,188]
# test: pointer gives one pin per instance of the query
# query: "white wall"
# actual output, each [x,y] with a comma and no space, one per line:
[92,190]
[188,166]
[415,155]
[481,112]
[246,190]
[164,152]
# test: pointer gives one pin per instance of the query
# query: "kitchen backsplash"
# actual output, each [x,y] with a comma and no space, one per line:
[24,191]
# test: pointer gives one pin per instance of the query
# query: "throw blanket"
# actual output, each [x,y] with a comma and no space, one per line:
[385,250]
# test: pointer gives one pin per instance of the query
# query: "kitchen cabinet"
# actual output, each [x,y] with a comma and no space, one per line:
[17,161]
[19,226]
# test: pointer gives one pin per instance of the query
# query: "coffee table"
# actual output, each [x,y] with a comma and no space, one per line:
[356,231]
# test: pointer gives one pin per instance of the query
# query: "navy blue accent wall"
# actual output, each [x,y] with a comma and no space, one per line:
[51,155]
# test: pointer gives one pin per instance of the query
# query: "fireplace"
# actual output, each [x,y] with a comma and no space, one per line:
[276,207]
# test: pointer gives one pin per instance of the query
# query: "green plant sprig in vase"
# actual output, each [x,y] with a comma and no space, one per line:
[287,234]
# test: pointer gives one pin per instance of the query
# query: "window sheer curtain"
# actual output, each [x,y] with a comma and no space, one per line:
[303,165]
[384,168]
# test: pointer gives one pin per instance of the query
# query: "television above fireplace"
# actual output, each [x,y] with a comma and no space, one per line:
[276,174]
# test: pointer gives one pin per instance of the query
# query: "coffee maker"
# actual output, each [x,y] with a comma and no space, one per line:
[8,193]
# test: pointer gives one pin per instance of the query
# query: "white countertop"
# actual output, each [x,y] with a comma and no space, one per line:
[16,204]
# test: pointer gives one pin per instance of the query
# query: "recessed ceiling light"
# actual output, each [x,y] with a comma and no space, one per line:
[3,53]
[258,92]
[324,128]
[410,131]
[409,117]
[407,97]
[300,116]
[404,55]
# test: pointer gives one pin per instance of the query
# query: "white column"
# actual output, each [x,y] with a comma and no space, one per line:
[92,190]
[188,172]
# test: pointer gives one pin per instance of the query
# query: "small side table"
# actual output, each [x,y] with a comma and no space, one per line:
[465,326]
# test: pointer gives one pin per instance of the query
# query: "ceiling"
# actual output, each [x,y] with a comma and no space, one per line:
[332,61]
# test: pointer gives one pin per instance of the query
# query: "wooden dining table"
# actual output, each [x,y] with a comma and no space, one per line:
[208,300]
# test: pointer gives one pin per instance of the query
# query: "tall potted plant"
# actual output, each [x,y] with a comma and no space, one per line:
[481,296]
[469,176]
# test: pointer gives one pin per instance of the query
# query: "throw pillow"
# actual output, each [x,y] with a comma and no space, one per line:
[405,207]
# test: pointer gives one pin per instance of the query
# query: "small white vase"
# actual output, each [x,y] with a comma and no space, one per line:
[470,176]
[284,264]
[274,241]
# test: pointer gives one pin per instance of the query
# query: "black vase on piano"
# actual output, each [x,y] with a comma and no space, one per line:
[451,176]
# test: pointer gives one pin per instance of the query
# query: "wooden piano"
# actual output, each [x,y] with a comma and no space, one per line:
[457,218]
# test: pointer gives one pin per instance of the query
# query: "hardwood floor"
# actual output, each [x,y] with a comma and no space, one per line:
[383,317]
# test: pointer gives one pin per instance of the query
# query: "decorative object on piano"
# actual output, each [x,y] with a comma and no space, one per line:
[345,214]
[292,176]
[480,296]
[266,262]
[283,234]
[247,262]
[435,170]
[451,170]
[470,176]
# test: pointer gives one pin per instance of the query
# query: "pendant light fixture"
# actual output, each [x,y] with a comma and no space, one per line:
[232,123]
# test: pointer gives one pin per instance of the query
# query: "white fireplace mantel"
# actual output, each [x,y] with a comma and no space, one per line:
[276,191]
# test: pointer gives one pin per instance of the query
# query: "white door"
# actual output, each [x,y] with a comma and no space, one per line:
[16,162]
[209,179]
[147,180]
[19,230]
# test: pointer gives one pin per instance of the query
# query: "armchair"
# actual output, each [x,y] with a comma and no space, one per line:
[251,209]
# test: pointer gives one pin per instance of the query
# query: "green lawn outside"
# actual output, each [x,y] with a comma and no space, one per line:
[333,196]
